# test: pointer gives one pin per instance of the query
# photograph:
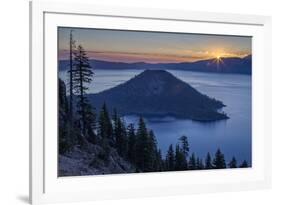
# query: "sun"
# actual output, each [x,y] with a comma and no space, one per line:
[218,60]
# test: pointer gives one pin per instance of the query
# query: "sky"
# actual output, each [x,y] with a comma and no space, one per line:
[152,47]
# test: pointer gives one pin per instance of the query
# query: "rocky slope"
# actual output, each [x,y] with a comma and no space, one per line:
[91,160]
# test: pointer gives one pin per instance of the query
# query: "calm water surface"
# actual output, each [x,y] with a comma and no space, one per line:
[232,136]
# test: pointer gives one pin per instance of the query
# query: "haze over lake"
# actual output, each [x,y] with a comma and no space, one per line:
[233,136]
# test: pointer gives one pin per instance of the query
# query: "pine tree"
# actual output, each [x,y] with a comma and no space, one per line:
[82,75]
[91,123]
[117,132]
[159,161]
[63,102]
[219,161]
[68,132]
[199,163]
[142,152]
[192,162]
[244,164]
[124,139]
[184,145]
[104,130]
[180,159]
[152,151]
[70,71]
[64,141]
[170,159]
[104,125]
[131,143]
[114,124]
[121,138]
[208,162]
[232,163]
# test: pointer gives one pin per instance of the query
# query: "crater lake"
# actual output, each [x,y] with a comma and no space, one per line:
[233,136]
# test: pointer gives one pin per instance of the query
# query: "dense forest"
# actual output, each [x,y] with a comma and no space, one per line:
[104,138]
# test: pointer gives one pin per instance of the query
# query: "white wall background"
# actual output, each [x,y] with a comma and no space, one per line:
[14,100]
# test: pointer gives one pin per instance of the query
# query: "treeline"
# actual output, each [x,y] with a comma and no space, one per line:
[80,124]
[179,159]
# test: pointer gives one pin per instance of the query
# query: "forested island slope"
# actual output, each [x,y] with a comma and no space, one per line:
[159,93]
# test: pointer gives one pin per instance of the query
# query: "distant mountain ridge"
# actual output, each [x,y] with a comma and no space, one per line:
[225,65]
[159,93]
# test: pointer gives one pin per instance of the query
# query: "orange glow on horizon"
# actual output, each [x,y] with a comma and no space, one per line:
[155,57]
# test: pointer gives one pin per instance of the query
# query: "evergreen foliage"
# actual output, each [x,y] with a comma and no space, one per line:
[232,163]
[208,162]
[104,124]
[244,164]
[142,151]
[184,145]
[64,141]
[219,161]
[192,162]
[131,144]
[152,152]
[180,159]
[199,163]
[82,75]
[121,138]
[70,72]
[160,164]
[170,159]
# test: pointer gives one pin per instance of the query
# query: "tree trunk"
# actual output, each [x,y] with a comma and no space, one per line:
[82,98]
[70,79]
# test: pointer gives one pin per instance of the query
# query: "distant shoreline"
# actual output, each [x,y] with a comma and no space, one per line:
[224,66]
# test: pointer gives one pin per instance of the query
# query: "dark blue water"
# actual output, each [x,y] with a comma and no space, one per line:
[232,136]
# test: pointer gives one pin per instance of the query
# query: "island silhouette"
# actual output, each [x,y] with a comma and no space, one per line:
[158,93]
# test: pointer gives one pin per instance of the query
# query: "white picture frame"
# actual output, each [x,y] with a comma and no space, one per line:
[46,187]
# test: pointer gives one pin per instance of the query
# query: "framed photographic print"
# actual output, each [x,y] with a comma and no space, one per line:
[130,102]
